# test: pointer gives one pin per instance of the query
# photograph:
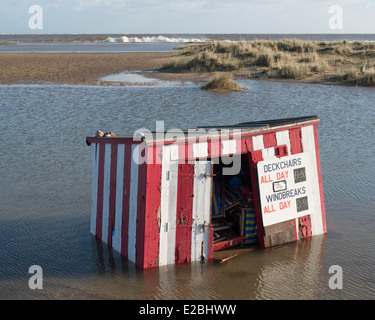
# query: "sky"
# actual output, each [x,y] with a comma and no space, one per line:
[188,16]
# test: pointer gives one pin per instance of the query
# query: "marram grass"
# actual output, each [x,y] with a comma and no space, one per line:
[223,82]
[318,61]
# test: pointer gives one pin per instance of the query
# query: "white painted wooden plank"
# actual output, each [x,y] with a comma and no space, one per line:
[197,211]
[258,143]
[133,197]
[174,154]
[168,207]
[207,209]
[201,209]
[106,186]
[94,195]
[116,244]
[308,146]
[164,199]
[172,208]
[268,153]
[200,149]
[233,146]
[228,146]
[282,137]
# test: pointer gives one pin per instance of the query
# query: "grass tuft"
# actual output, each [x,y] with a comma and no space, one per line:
[208,61]
[368,79]
[288,70]
[287,58]
[6,43]
[264,60]
[223,82]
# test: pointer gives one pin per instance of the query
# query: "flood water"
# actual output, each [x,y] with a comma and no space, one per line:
[45,184]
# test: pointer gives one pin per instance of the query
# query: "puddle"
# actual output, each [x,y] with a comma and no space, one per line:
[134,79]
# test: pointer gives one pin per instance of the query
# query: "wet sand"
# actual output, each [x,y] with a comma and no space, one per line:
[74,68]
[88,68]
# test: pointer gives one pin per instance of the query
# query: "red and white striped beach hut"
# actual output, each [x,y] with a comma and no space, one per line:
[179,196]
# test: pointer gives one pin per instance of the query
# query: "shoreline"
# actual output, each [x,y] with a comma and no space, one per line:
[74,68]
[87,68]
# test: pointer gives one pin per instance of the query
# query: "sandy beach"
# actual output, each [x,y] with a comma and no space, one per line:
[342,62]
[74,68]
[88,68]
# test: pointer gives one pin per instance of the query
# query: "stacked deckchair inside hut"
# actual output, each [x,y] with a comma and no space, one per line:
[233,214]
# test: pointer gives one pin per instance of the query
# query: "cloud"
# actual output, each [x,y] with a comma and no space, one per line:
[187,16]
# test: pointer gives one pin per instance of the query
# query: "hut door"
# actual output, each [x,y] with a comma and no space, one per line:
[193,211]
[184,215]
[201,210]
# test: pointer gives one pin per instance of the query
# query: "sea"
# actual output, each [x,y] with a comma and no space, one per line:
[144,42]
[45,181]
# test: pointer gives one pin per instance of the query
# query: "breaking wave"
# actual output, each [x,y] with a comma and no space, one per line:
[153,39]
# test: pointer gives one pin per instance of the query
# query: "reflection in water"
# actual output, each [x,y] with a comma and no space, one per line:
[139,80]
[296,275]
[190,281]
[291,271]
[104,259]
[130,78]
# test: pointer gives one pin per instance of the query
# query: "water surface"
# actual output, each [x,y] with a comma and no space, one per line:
[45,171]
[144,42]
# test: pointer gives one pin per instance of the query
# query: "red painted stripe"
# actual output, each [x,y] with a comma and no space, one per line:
[295,140]
[256,156]
[249,147]
[190,150]
[184,213]
[181,152]
[112,193]
[236,136]
[239,146]
[227,243]
[99,212]
[184,158]
[125,200]
[269,140]
[246,145]
[152,212]
[185,152]
[211,229]
[304,225]
[320,179]
[214,148]
[141,206]
[281,151]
